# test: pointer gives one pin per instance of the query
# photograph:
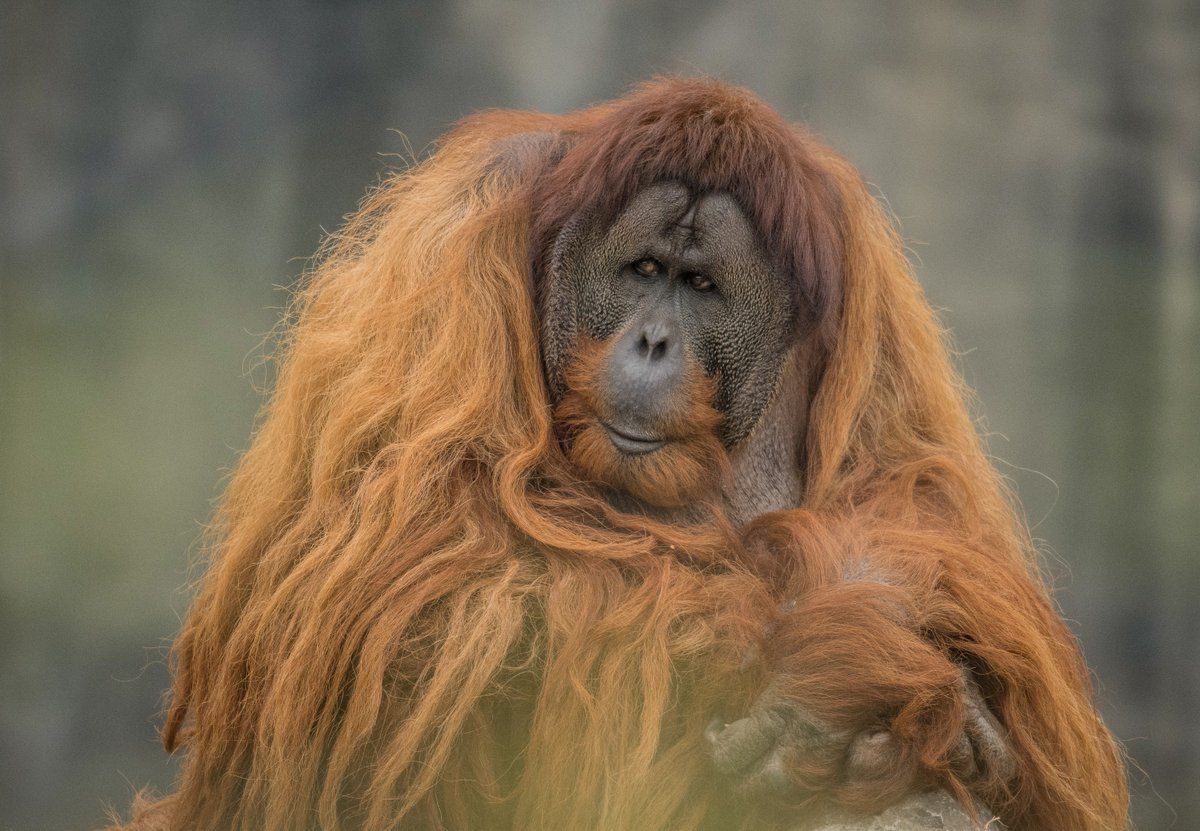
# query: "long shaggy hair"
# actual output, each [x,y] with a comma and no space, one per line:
[420,611]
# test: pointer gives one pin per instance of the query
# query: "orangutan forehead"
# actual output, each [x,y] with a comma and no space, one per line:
[692,221]
[710,138]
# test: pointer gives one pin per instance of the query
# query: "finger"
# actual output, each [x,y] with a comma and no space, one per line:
[962,759]
[771,778]
[988,738]
[872,755]
[735,746]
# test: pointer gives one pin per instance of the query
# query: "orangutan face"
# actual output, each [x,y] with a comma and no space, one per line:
[664,334]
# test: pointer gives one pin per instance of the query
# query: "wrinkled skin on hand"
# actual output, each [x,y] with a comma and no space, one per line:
[760,751]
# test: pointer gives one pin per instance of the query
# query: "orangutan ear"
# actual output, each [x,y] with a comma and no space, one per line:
[522,157]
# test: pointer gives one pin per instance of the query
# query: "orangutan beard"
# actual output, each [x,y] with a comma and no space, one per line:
[690,466]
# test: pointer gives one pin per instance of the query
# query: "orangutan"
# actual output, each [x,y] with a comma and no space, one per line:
[616,477]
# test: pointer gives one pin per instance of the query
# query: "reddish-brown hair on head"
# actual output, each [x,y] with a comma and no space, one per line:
[708,136]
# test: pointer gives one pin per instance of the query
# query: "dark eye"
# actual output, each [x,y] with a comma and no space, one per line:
[648,267]
[699,282]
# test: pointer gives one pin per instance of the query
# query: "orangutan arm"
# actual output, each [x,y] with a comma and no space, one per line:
[913,660]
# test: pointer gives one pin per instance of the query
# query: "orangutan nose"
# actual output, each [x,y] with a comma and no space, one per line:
[654,341]
[645,372]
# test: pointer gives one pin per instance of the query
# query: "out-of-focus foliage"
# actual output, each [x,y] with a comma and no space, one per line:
[165,166]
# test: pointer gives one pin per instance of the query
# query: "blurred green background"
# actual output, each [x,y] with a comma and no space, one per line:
[167,166]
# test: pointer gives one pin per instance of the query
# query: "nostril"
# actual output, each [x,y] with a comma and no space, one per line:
[652,341]
[652,348]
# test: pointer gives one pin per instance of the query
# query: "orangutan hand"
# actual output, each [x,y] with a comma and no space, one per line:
[779,751]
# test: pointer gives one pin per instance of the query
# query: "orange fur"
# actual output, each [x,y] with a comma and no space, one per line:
[418,612]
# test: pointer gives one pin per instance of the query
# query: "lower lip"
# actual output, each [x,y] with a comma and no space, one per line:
[631,446]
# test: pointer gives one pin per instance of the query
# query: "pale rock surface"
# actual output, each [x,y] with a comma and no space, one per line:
[933,811]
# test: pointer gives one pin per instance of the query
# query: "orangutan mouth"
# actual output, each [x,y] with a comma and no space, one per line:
[631,443]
